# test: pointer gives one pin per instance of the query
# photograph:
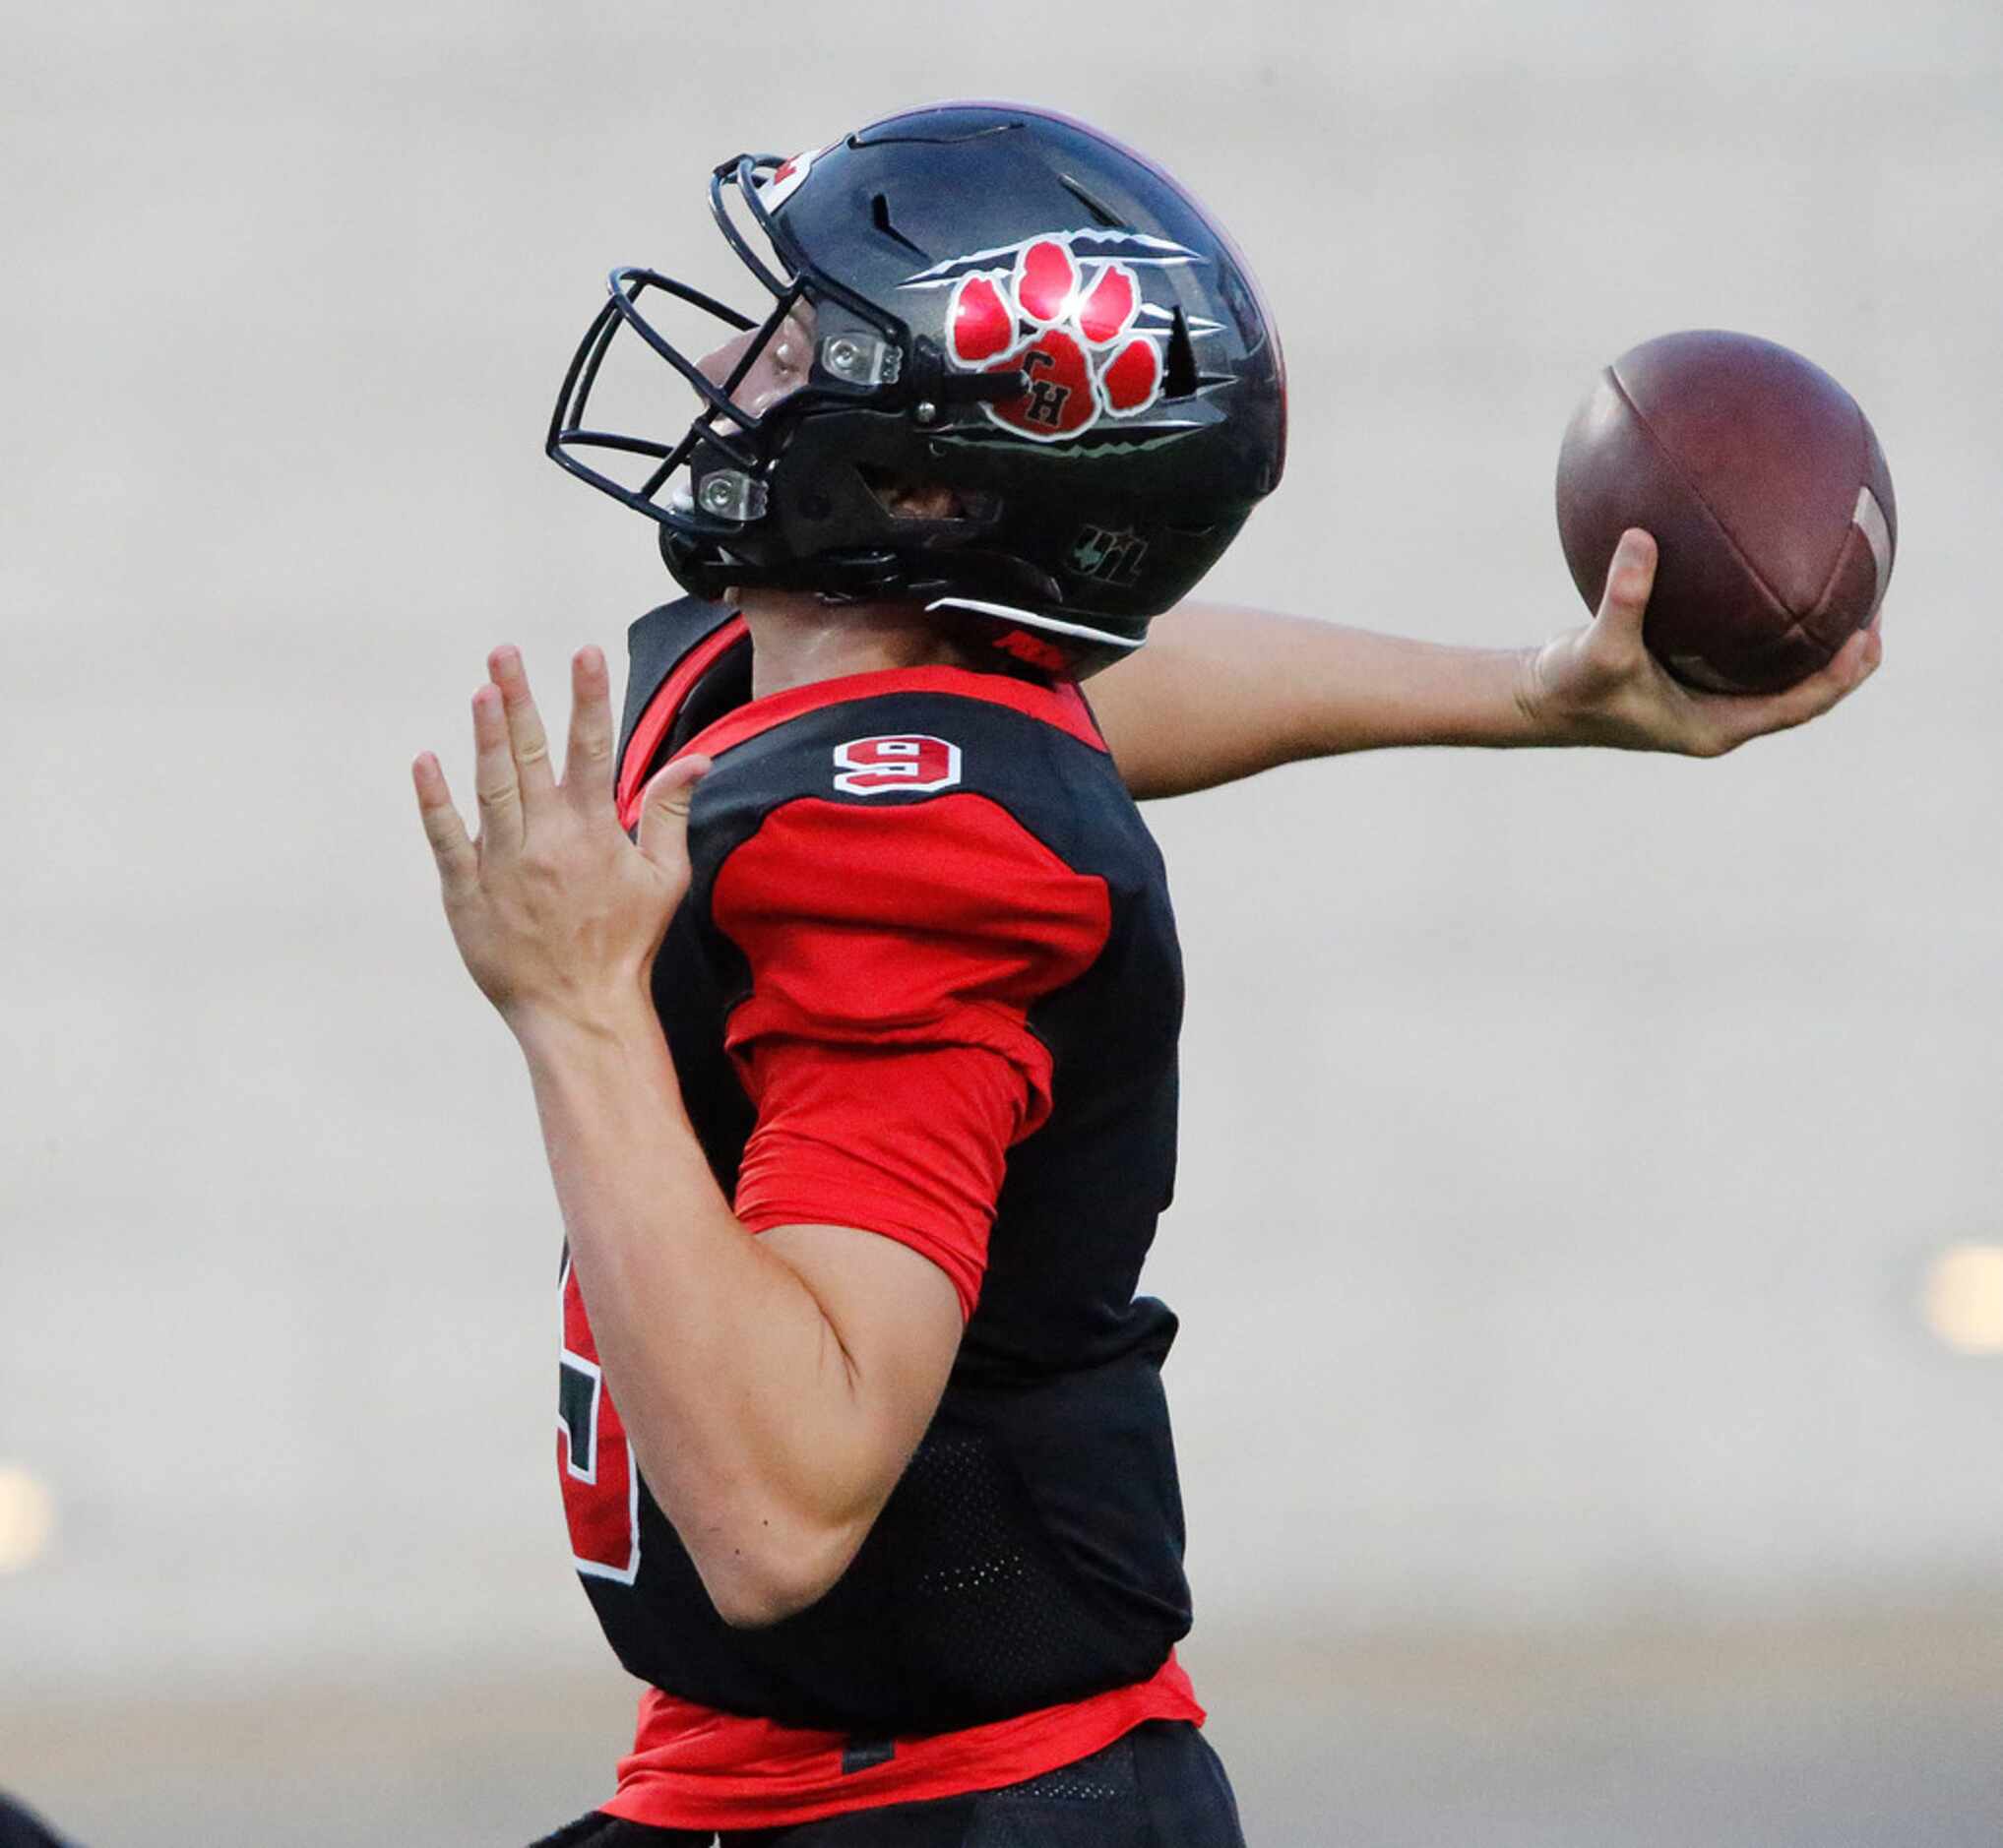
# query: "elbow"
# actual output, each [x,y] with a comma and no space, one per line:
[758,1605]
[751,1598]
[755,1583]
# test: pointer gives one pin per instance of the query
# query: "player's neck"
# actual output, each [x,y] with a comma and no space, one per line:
[797,640]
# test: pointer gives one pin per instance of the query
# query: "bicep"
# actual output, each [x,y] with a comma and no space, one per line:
[873,1174]
[894,1318]
[1216,695]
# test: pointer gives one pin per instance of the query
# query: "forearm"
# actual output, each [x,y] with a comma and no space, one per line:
[748,1423]
[1220,693]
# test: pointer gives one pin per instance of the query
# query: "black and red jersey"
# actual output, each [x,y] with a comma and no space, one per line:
[925,983]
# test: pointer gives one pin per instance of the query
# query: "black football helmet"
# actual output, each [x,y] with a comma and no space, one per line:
[1007,304]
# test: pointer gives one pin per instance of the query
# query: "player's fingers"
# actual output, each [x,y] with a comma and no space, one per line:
[1742,716]
[1869,654]
[1629,578]
[457,864]
[588,759]
[494,778]
[665,815]
[529,743]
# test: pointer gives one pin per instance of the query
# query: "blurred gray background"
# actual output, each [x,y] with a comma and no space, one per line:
[1587,1426]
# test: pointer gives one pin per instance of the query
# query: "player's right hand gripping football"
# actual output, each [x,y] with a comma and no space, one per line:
[1601,685]
[556,911]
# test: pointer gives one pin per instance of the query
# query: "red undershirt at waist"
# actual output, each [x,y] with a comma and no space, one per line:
[694,1768]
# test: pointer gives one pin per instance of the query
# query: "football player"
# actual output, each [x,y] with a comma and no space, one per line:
[848,987]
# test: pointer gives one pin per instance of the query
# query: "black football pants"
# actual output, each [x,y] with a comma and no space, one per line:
[1159,1787]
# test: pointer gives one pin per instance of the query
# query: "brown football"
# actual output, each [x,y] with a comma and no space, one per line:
[1766,493]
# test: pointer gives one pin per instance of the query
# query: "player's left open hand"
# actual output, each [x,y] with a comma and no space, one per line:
[556,911]
[1601,685]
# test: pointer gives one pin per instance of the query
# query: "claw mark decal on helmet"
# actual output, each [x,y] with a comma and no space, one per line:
[1066,310]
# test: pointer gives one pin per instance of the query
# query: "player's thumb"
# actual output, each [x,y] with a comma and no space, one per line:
[1629,580]
[665,815]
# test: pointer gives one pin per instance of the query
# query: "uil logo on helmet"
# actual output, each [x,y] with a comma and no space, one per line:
[1067,311]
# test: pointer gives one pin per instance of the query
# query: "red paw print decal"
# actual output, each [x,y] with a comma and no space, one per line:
[1065,320]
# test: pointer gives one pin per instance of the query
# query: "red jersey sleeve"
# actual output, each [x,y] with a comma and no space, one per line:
[895,953]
